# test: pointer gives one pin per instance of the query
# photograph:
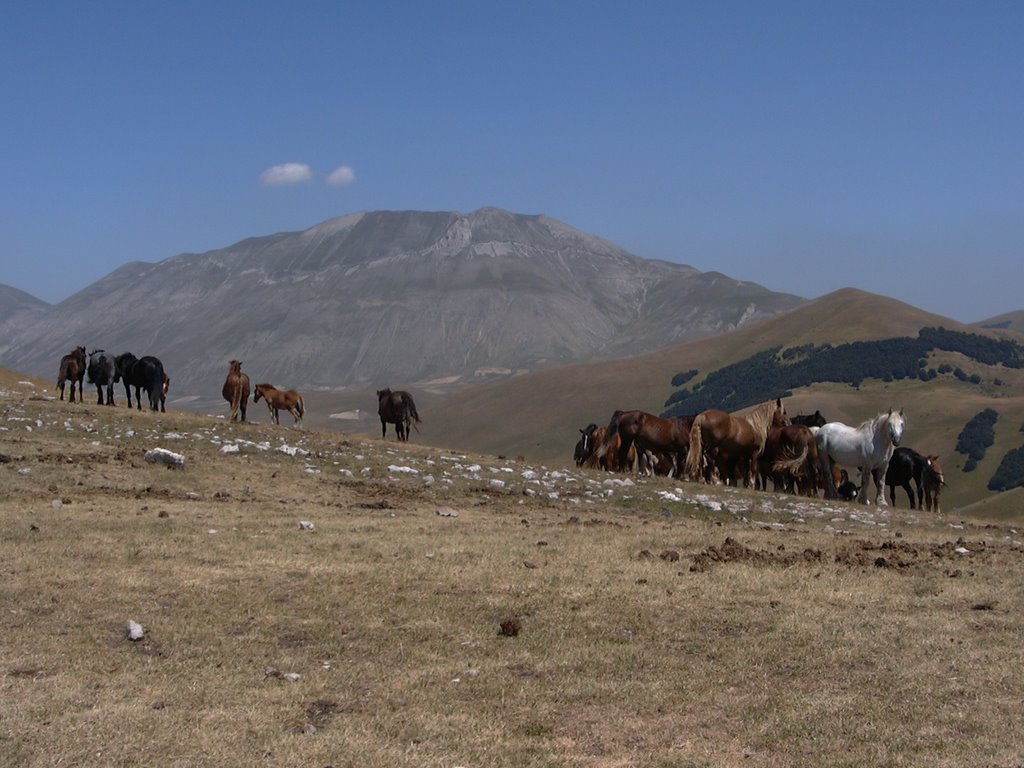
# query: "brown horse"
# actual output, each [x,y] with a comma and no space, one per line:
[280,400]
[790,458]
[236,389]
[589,454]
[648,432]
[933,481]
[72,368]
[399,409]
[740,438]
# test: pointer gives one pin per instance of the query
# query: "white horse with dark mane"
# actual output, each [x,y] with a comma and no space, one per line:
[868,447]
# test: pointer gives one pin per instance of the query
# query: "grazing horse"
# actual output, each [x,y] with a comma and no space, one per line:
[163,391]
[101,373]
[642,431]
[867,447]
[72,368]
[905,465]
[588,451]
[933,481]
[809,420]
[236,389]
[145,373]
[280,400]
[738,440]
[790,458]
[399,409]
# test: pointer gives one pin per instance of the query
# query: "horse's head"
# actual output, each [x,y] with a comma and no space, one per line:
[896,424]
[779,416]
[235,367]
[382,393]
[258,393]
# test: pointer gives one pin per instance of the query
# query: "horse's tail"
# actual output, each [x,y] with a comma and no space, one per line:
[410,410]
[300,406]
[791,463]
[693,456]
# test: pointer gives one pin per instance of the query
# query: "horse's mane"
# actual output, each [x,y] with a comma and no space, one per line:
[761,417]
[870,424]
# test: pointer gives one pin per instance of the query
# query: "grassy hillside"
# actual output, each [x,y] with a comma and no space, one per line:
[538,415]
[1011,321]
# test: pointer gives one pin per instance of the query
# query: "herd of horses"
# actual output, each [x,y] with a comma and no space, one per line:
[105,370]
[802,454]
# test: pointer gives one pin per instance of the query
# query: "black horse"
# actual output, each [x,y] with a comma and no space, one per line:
[142,373]
[585,446]
[905,465]
[101,373]
[812,420]
[396,408]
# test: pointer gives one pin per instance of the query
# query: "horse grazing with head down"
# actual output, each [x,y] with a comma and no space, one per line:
[236,389]
[867,447]
[399,409]
[640,431]
[738,440]
[588,454]
[280,400]
[101,373]
[145,373]
[72,368]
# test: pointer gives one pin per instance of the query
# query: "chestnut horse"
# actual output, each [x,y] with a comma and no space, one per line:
[790,458]
[280,400]
[588,450]
[72,368]
[648,432]
[740,438]
[399,409]
[236,389]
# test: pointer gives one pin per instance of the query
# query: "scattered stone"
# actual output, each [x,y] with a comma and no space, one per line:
[528,564]
[163,456]
[56,504]
[291,677]
[447,512]
[134,631]
[5,459]
[670,556]
[306,525]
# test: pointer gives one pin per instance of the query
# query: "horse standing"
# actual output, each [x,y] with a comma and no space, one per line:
[145,373]
[236,389]
[642,431]
[280,400]
[101,372]
[905,465]
[72,368]
[399,409]
[867,447]
[588,452]
[809,420]
[933,481]
[790,458]
[738,439]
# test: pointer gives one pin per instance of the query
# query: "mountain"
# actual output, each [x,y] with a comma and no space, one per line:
[388,298]
[1011,321]
[17,307]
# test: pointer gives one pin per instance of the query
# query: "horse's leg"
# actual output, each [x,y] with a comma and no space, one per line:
[865,481]
[138,399]
[910,495]
[878,475]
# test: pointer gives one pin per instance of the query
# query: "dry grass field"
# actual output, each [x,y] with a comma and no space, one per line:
[449,609]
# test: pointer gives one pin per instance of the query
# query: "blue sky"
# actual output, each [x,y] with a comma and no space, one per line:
[806,146]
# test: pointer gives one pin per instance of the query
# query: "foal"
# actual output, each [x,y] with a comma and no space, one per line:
[279,400]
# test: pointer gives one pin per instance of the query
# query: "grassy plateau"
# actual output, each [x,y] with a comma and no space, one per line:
[311,598]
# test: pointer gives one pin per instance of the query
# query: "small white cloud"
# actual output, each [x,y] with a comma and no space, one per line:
[286,175]
[341,176]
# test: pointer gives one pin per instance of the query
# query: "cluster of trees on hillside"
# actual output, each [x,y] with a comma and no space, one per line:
[976,437]
[1010,473]
[775,373]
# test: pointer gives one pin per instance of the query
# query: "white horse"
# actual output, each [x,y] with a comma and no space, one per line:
[868,447]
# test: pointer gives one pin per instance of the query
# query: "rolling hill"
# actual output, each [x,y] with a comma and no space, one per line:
[538,415]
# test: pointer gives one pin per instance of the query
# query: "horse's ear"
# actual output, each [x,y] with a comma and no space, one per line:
[901,411]
[778,402]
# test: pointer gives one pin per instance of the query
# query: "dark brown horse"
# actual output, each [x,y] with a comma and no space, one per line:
[648,432]
[236,389]
[933,481]
[399,409]
[280,400]
[790,458]
[740,438]
[72,368]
